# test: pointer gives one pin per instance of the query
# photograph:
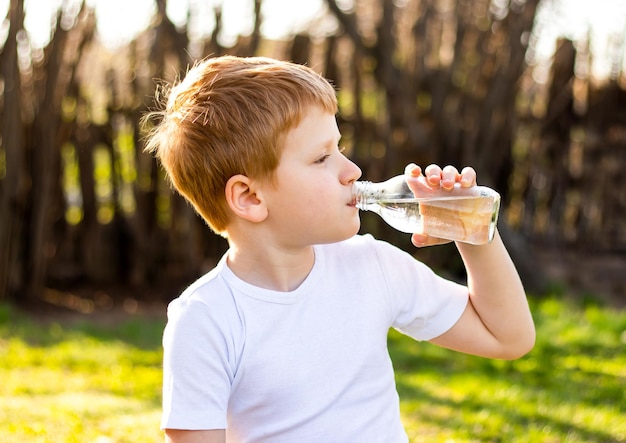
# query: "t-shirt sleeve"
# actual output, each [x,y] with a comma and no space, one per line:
[424,305]
[198,366]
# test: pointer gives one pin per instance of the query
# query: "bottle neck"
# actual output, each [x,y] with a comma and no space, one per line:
[363,194]
[368,195]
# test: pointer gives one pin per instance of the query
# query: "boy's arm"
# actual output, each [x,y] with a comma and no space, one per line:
[181,436]
[497,322]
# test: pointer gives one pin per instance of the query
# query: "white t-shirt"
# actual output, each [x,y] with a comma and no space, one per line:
[309,365]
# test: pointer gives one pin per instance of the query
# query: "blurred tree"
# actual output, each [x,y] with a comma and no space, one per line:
[422,81]
[12,141]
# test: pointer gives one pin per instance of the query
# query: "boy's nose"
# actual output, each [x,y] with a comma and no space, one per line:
[352,172]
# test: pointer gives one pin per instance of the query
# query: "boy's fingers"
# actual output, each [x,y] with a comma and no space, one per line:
[468,177]
[413,170]
[423,240]
[433,174]
[450,175]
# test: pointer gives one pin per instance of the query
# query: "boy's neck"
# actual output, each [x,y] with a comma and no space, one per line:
[270,267]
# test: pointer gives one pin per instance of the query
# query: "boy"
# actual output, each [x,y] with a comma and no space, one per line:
[285,340]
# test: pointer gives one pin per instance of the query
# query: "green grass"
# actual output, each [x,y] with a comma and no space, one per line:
[570,388]
[81,382]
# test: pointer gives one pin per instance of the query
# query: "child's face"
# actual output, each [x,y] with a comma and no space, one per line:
[312,200]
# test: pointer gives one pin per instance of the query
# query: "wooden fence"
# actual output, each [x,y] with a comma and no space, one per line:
[82,205]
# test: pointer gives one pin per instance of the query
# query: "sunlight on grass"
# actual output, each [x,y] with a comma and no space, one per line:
[82,382]
[570,388]
[79,383]
[81,416]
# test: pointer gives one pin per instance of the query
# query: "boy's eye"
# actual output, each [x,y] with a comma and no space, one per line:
[322,159]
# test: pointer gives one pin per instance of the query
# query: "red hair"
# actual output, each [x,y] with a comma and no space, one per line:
[230,116]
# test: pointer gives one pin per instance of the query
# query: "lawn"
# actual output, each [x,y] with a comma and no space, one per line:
[85,381]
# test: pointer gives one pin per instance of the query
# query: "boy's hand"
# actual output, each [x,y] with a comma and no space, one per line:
[437,178]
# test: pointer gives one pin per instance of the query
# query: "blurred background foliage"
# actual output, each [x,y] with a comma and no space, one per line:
[83,210]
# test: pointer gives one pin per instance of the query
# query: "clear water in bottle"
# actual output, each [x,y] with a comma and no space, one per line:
[463,214]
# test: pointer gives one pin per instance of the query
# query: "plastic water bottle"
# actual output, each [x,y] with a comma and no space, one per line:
[461,214]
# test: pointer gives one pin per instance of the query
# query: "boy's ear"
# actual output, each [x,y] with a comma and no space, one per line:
[243,199]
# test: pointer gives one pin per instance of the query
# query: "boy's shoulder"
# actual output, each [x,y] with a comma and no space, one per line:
[206,282]
[208,291]
[216,289]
